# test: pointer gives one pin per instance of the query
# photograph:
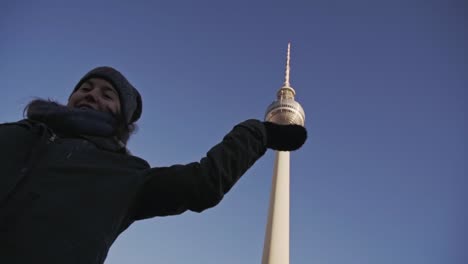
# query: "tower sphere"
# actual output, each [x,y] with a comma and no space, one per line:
[285,112]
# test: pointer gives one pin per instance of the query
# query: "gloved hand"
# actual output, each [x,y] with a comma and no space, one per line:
[285,137]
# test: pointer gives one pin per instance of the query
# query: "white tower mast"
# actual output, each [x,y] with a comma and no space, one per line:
[285,110]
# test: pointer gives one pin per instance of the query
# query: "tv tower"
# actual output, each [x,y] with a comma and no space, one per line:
[285,110]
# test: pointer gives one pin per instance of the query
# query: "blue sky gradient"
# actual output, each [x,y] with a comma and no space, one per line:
[382,178]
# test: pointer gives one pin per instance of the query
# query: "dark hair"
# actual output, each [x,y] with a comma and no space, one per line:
[123,130]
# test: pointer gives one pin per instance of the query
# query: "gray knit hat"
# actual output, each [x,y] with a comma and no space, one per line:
[130,99]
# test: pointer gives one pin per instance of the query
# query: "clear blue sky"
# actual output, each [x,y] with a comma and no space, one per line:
[382,178]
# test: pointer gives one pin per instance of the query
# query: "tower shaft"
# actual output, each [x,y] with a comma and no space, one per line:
[276,247]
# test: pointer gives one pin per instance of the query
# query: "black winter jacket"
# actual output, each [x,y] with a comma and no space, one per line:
[64,200]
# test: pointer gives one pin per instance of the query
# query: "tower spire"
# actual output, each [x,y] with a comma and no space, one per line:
[286,91]
[286,75]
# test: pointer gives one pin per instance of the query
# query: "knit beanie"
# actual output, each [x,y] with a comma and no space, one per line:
[130,99]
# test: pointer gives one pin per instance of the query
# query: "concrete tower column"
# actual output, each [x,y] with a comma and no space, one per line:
[276,248]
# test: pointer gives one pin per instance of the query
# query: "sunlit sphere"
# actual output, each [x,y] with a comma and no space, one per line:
[285,112]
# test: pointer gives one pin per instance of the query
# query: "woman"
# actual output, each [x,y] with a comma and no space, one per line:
[69,186]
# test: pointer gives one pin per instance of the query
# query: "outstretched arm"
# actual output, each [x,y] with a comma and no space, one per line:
[201,185]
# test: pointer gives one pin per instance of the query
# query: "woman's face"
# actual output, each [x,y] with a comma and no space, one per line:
[97,94]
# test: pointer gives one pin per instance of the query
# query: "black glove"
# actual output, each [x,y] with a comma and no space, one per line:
[285,137]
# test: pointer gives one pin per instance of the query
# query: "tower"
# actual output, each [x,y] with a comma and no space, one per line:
[285,110]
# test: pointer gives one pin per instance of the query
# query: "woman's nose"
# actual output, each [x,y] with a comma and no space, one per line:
[92,96]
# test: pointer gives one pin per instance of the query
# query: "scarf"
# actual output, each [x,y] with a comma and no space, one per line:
[95,126]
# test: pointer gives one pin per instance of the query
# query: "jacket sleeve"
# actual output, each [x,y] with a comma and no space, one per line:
[200,185]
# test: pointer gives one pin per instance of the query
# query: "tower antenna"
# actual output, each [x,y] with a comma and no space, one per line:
[288,67]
